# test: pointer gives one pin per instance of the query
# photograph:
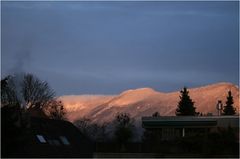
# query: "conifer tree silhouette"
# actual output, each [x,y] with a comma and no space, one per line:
[229,108]
[156,114]
[185,105]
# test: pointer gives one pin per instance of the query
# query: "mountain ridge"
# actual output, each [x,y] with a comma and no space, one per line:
[144,101]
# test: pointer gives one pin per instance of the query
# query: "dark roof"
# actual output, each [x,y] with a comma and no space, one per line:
[157,124]
[190,121]
[56,138]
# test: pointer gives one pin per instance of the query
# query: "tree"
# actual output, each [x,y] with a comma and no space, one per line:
[35,92]
[95,132]
[229,108]
[185,105]
[55,110]
[8,94]
[30,94]
[123,127]
[156,114]
[83,124]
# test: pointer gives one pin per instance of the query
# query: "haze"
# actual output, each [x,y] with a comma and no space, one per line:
[109,47]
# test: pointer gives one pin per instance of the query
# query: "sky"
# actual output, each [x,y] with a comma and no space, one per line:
[109,47]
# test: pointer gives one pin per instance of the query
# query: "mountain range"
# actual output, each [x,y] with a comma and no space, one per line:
[145,101]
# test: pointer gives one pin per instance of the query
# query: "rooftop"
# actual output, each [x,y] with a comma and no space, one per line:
[190,121]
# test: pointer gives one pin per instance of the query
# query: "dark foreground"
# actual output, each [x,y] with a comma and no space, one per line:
[184,148]
[61,139]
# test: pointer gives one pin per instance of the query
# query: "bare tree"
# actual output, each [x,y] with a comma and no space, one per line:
[95,132]
[83,125]
[124,126]
[36,93]
[55,110]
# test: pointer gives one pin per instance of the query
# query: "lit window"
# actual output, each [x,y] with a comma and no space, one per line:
[41,139]
[64,140]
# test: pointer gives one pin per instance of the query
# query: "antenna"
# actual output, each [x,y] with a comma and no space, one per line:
[219,107]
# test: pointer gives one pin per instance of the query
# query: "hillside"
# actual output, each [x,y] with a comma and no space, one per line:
[145,101]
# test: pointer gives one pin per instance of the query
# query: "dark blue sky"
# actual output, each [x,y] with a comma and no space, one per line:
[108,47]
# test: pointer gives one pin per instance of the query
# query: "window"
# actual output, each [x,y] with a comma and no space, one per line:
[64,140]
[41,139]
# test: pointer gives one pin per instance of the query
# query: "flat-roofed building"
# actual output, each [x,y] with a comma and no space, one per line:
[170,127]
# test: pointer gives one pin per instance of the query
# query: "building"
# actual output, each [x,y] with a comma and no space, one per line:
[40,137]
[171,127]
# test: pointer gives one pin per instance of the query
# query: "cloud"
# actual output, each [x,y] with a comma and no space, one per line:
[107,47]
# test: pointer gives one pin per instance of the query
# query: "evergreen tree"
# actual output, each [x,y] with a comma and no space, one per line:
[156,114]
[229,108]
[185,105]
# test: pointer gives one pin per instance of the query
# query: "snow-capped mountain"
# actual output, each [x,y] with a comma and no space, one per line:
[145,101]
